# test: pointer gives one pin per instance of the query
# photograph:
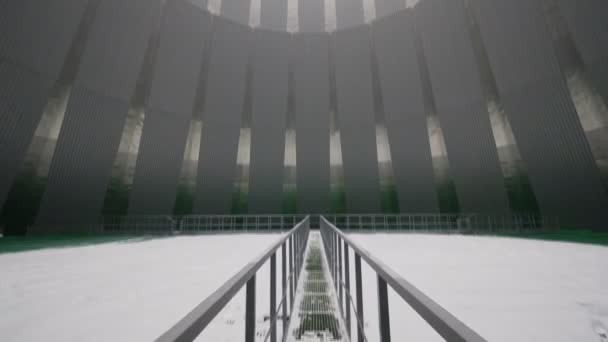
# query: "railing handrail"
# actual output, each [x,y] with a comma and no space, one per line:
[191,325]
[443,322]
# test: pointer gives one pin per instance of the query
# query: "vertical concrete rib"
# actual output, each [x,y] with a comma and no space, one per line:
[589,27]
[356,118]
[82,164]
[387,7]
[273,15]
[404,112]
[236,10]
[562,171]
[461,107]
[268,120]
[311,16]
[311,70]
[170,107]
[349,13]
[34,41]
[222,113]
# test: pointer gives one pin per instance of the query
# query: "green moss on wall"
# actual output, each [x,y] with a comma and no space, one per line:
[389,200]
[116,201]
[22,203]
[337,200]
[448,200]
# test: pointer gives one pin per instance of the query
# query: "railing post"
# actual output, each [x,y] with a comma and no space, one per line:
[291,274]
[347,285]
[340,296]
[284,285]
[360,332]
[250,310]
[273,298]
[383,315]
[334,252]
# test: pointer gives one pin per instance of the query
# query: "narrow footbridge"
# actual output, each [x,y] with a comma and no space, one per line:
[317,303]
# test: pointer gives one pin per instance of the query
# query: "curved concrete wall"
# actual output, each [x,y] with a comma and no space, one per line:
[193,42]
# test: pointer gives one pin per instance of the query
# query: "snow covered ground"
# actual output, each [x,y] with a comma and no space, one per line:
[505,289]
[129,291]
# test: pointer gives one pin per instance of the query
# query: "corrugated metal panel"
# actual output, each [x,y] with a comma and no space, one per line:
[461,107]
[173,90]
[159,162]
[311,76]
[116,46]
[404,111]
[589,27]
[351,49]
[268,120]
[273,15]
[37,34]
[311,16]
[236,10]
[23,95]
[98,105]
[386,7]
[349,13]
[179,57]
[222,117]
[82,163]
[562,171]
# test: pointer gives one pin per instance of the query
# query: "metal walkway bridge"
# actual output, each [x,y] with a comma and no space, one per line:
[317,302]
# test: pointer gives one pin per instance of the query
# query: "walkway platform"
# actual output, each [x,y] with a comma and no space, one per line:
[316,317]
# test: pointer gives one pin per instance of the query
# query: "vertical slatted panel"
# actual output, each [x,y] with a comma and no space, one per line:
[34,40]
[311,75]
[159,162]
[37,34]
[236,10]
[222,117]
[311,16]
[589,27]
[562,171]
[461,107]
[273,15]
[117,43]
[200,3]
[404,112]
[82,163]
[349,13]
[356,119]
[96,112]
[386,7]
[268,120]
[172,95]
[23,95]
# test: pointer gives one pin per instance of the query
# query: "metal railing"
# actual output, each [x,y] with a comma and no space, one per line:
[189,327]
[446,223]
[337,246]
[196,224]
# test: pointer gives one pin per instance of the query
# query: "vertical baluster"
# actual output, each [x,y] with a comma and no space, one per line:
[284,284]
[291,273]
[347,286]
[360,334]
[340,295]
[383,314]
[250,310]
[273,298]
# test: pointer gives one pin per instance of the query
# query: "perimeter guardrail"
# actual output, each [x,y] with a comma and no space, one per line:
[446,223]
[189,327]
[336,245]
[196,224]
